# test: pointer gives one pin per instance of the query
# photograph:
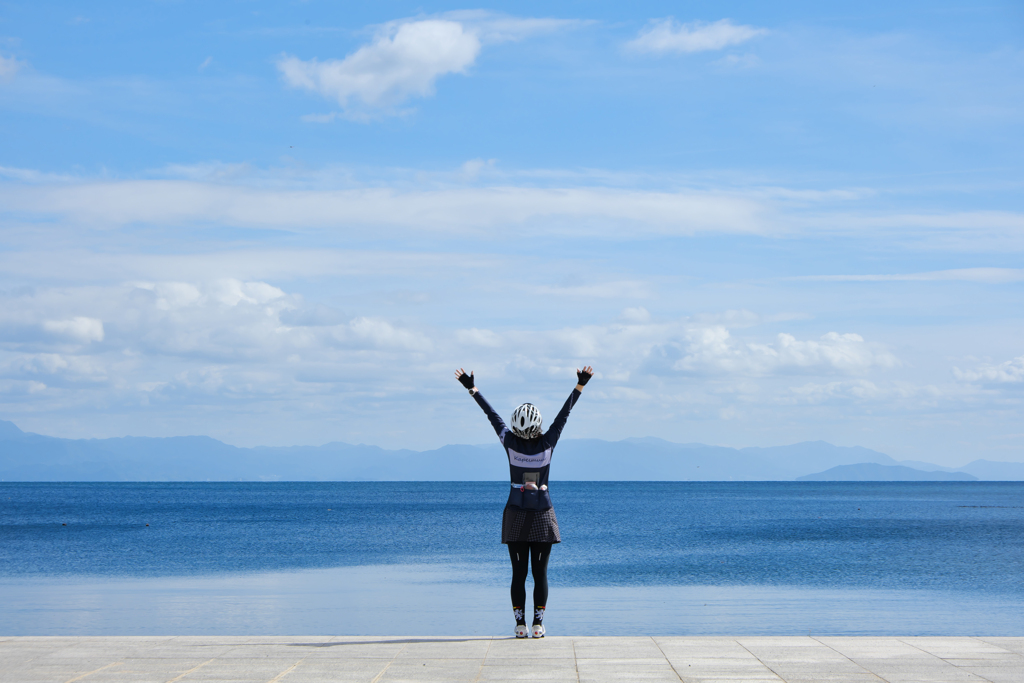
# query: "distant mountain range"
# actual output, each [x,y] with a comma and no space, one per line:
[869,471]
[32,457]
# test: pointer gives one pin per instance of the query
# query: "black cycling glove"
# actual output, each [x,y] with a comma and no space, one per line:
[583,377]
[466,380]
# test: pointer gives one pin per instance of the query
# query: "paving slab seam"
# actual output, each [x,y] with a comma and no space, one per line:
[480,671]
[892,659]
[376,679]
[844,656]
[293,667]
[774,672]
[195,668]
[982,640]
[90,673]
[658,645]
[943,660]
[1000,638]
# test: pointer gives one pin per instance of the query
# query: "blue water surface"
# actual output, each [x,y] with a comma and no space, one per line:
[962,535]
[957,546]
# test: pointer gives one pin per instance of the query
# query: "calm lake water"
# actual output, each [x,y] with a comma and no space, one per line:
[419,558]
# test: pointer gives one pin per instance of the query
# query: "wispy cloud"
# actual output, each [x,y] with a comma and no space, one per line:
[80,328]
[320,118]
[955,220]
[667,35]
[983,275]
[28,175]
[866,391]
[1010,371]
[9,66]
[465,210]
[615,289]
[494,27]
[454,204]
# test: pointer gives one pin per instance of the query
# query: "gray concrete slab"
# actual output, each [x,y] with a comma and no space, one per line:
[316,659]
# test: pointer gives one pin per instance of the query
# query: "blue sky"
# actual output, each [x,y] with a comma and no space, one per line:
[281,223]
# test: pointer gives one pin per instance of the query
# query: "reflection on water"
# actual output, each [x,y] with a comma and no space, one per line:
[418,600]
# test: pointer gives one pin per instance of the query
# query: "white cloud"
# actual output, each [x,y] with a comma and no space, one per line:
[28,175]
[475,337]
[320,118]
[83,267]
[819,393]
[9,66]
[14,388]
[232,292]
[636,315]
[666,35]
[238,195]
[226,320]
[57,366]
[187,345]
[613,289]
[1010,371]
[79,328]
[227,291]
[173,295]
[225,332]
[973,221]
[472,169]
[403,62]
[866,390]
[608,212]
[250,348]
[382,334]
[406,58]
[640,346]
[492,27]
[739,61]
[983,275]
[713,350]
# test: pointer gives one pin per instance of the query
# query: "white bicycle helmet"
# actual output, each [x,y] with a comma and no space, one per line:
[526,421]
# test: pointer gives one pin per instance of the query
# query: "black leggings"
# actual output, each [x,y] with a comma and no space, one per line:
[536,554]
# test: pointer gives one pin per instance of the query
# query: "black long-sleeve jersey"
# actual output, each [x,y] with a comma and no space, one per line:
[528,455]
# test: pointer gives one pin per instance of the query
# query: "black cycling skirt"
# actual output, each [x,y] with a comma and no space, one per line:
[529,526]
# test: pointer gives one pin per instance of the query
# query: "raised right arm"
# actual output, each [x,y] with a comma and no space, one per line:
[496,421]
[467,380]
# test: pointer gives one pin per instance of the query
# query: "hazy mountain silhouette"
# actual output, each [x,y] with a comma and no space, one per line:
[870,471]
[33,457]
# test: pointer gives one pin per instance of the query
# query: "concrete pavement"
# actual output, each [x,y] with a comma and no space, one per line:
[795,659]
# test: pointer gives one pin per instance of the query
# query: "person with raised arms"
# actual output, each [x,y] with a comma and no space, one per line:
[528,526]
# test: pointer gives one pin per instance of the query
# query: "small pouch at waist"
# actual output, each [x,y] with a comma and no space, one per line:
[529,500]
